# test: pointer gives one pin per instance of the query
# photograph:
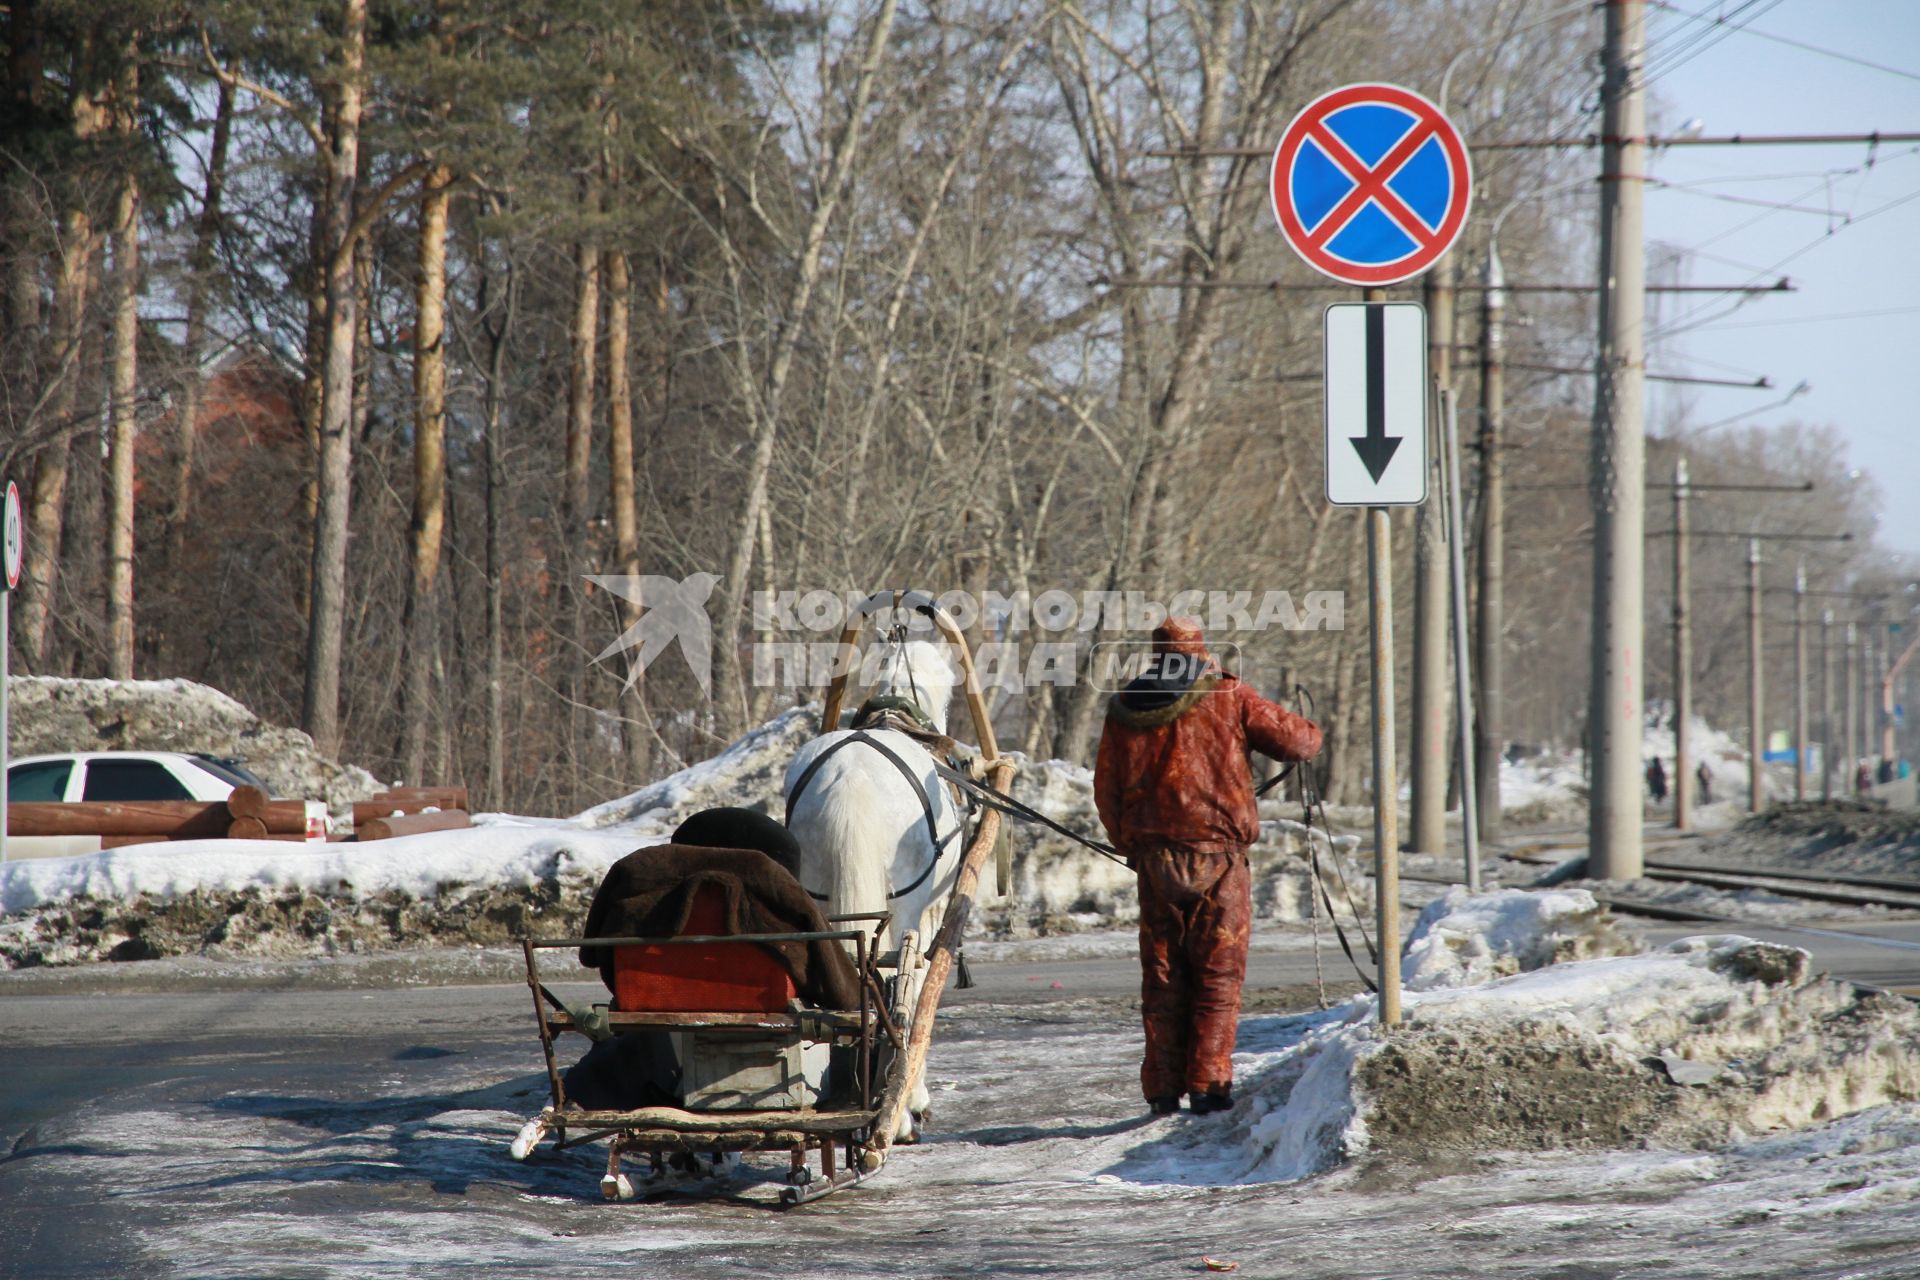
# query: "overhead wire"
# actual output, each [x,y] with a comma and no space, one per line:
[1749,29]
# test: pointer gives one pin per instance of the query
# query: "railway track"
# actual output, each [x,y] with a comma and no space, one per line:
[1892,892]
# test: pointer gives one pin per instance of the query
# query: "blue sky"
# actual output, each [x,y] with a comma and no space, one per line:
[1853,248]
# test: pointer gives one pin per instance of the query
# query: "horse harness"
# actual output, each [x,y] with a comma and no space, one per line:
[901,716]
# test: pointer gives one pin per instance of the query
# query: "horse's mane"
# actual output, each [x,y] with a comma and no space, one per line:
[923,671]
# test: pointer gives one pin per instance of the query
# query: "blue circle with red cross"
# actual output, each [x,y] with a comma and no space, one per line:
[1370,184]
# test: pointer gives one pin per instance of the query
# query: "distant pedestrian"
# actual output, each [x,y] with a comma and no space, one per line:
[1885,774]
[1704,777]
[1862,778]
[1657,781]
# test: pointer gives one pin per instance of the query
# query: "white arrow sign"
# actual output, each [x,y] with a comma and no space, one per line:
[1376,389]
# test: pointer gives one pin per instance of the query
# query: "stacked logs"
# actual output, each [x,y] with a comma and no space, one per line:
[247,814]
[408,811]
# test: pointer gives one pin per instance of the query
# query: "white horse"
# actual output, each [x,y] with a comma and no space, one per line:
[863,827]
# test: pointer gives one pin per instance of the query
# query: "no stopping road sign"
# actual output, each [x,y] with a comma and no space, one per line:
[1370,184]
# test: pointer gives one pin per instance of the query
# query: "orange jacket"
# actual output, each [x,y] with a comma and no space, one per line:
[1176,777]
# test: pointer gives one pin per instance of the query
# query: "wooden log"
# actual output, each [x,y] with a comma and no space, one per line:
[280,817]
[246,829]
[412,824]
[154,819]
[365,811]
[454,797]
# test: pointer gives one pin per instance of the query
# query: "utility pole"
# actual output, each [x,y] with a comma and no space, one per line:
[1826,704]
[1756,711]
[1429,747]
[1431,597]
[1619,458]
[1682,653]
[1489,726]
[1850,681]
[1800,681]
[1462,674]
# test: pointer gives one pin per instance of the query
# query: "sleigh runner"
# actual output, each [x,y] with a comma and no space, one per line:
[760,1070]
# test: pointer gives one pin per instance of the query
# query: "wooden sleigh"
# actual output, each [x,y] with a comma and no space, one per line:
[743,1036]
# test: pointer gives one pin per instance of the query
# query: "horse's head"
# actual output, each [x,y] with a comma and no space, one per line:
[923,671]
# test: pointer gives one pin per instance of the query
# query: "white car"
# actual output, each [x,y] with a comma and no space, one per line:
[115,775]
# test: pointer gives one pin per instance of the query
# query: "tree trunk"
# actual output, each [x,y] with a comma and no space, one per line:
[429,466]
[46,501]
[582,337]
[494,450]
[326,615]
[845,150]
[125,381]
[200,263]
[634,723]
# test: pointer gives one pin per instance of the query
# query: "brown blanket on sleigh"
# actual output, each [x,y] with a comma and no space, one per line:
[650,892]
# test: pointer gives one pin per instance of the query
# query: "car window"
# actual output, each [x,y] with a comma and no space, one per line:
[132,780]
[227,773]
[46,780]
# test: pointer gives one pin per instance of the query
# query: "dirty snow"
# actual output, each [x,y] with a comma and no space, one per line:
[1461,939]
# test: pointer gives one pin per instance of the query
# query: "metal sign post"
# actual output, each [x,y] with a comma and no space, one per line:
[13,546]
[1370,186]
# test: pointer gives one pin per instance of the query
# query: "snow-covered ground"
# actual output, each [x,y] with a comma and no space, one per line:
[1702,1110]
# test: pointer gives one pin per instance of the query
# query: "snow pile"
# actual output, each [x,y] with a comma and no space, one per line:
[263,898]
[1697,1044]
[749,774]
[1543,789]
[1461,939]
[48,714]
[1550,787]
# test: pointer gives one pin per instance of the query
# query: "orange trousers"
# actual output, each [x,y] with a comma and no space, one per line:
[1196,911]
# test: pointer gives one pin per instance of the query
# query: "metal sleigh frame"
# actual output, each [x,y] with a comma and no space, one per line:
[890,1041]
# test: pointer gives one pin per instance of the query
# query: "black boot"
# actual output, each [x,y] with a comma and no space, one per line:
[1165,1106]
[1206,1103]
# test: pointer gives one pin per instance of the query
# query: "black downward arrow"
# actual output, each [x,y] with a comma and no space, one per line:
[1376,448]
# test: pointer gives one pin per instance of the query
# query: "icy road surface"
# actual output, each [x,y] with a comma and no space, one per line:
[351,1133]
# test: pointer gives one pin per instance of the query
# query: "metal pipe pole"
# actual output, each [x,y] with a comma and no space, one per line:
[1428,808]
[1682,655]
[1619,460]
[1800,681]
[1386,784]
[1463,683]
[1850,681]
[1869,661]
[1826,704]
[1489,726]
[1756,711]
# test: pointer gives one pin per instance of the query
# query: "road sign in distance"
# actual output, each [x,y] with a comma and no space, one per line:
[1370,184]
[1376,394]
[13,536]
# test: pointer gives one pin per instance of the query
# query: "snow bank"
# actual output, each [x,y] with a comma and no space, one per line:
[1698,1044]
[486,885]
[1461,939]
[1551,787]
[48,714]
